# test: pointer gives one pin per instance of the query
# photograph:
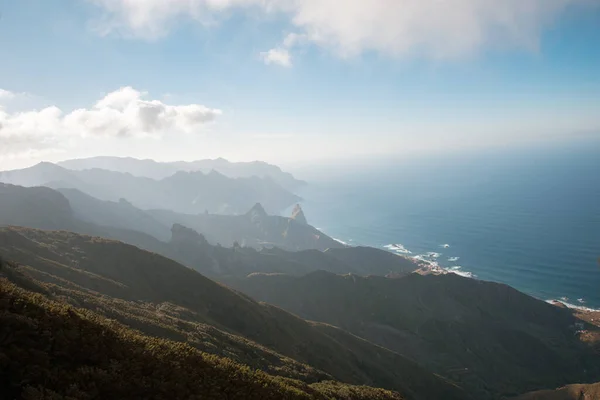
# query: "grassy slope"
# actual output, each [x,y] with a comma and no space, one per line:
[163,298]
[49,350]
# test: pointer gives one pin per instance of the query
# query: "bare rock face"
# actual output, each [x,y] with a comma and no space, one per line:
[257,213]
[298,215]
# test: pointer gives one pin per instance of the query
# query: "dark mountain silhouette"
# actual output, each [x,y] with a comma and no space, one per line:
[121,214]
[489,337]
[161,170]
[45,208]
[188,192]
[162,298]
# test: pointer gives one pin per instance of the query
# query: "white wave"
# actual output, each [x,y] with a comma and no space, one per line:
[464,274]
[445,246]
[581,301]
[398,248]
[340,241]
[572,306]
[423,258]
[433,254]
[457,269]
[427,261]
[453,259]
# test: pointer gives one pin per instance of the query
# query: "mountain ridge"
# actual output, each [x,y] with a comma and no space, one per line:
[158,170]
[192,192]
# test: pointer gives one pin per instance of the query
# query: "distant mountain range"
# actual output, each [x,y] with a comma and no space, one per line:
[186,192]
[160,170]
[253,229]
[71,210]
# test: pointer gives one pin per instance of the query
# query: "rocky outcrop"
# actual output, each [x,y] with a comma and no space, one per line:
[298,215]
[257,213]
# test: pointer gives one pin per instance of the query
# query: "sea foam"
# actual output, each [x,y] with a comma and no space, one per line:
[572,306]
[341,241]
[398,248]
[457,269]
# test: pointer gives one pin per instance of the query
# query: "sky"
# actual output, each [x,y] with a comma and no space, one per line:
[292,81]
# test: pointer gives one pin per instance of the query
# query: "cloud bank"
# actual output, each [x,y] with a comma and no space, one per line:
[122,113]
[426,28]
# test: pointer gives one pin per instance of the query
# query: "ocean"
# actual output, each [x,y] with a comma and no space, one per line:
[528,217]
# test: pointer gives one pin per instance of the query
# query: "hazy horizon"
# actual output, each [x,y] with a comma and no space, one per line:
[292,82]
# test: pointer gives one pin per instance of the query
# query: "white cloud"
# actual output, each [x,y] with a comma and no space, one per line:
[430,28]
[279,56]
[122,113]
[6,95]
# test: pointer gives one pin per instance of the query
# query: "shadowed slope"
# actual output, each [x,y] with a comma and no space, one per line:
[163,298]
[487,336]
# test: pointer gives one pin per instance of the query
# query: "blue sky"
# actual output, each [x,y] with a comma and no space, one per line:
[292,80]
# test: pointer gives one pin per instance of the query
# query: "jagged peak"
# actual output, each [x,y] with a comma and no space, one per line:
[257,209]
[298,215]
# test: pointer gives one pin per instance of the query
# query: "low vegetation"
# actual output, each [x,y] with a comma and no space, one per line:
[50,350]
[160,298]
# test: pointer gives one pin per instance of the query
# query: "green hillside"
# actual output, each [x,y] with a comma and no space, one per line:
[161,298]
[50,350]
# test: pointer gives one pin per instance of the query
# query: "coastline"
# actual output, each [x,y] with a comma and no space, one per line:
[428,264]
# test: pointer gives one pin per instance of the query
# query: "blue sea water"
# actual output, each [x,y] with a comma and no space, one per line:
[528,217]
